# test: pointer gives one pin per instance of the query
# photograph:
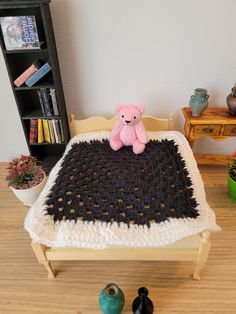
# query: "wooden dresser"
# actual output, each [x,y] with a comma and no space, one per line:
[216,123]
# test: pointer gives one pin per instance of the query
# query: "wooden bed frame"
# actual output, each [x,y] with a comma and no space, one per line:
[194,248]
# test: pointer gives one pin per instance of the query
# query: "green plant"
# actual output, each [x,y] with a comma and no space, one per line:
[232,167]
[24,172]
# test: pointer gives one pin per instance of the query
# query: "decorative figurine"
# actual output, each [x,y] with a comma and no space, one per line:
[129,129]
[142,304]
[111,299]
[199,101]
[231,101]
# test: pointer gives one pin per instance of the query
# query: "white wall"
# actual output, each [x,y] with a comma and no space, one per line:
[150,51]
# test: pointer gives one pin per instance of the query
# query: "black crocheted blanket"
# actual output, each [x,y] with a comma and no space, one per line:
[96,183]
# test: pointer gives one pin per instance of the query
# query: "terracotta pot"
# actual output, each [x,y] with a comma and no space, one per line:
[29,196]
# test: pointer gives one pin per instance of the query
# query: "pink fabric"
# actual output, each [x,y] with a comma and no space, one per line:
[129,129]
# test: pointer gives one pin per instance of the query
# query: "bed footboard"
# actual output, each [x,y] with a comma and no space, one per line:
[181,251]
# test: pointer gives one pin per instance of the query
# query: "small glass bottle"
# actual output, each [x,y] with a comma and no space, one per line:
[111,299]
[142,304]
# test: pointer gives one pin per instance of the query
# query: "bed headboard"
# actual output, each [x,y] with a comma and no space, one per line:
[103,124]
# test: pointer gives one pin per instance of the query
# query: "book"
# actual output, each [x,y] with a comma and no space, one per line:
[40,131]
[61,131]
[56,131]
[38,75]
[33,131]
[52,136]
[46,102]
[41,101]
[27,73]
[54,102]
[20,32]
[46,131]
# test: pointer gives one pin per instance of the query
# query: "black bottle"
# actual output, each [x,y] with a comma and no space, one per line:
[142,304]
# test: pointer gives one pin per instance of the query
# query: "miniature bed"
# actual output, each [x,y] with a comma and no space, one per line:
[93,209]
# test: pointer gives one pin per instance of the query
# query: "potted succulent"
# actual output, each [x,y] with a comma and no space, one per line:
[232,178]
[26,178]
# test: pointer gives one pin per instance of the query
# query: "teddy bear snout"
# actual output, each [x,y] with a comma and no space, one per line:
[127,121]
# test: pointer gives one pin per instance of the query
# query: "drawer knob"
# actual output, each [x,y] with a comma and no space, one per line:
[208,130]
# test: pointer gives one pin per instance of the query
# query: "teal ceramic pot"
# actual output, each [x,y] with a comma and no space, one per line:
[232,188]
[199,101]
[111,299]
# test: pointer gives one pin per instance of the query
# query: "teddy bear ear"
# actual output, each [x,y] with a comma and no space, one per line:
[140,108]
[119,107]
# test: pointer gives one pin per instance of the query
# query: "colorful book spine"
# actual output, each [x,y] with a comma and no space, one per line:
[27,74]
[56,131]
[54,102]
[46,102]
[46,131]
[38,75]
[40,131]
[61,131]
[41,101]
[33,131]
[52,136]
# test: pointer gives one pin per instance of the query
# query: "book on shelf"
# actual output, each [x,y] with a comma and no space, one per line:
[46,130]
[61,131]
[56,130]
[39,74]
[33,131]
[54,102]
[27,73]
[51,131]
[40,131]
[47,137]
[40,96]
[20,32]
[46,102]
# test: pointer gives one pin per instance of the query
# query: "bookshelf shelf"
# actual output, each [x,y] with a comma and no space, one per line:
[27,98]
[37,114]
[22,51]
[25,87]
[46,143]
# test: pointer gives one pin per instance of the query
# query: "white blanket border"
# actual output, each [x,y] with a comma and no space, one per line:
[98,235]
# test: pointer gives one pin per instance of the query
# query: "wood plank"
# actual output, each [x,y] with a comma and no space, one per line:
[122,254]
[212,115]
[212,159]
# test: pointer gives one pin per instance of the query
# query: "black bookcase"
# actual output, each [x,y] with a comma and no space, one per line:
[26,97]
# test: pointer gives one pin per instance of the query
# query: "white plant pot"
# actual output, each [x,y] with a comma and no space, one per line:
[29,196]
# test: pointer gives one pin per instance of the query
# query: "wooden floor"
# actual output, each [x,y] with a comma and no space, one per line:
[24,287]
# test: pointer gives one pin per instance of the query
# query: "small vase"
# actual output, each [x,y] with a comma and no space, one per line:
[232,188]
[231,101]
[142,304]
[29,196]
[199,101]
[111,299]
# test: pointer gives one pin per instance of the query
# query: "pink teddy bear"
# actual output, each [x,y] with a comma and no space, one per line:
[129,129]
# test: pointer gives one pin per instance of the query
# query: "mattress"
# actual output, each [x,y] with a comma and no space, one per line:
[98,198]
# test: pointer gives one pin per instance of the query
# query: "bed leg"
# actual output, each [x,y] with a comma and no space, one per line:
[203,251]
[39,251]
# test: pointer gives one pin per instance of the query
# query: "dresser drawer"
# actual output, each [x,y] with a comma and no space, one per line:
[207,129]
[230,130]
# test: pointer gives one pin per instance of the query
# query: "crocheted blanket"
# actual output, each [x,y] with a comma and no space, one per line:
[97,198]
